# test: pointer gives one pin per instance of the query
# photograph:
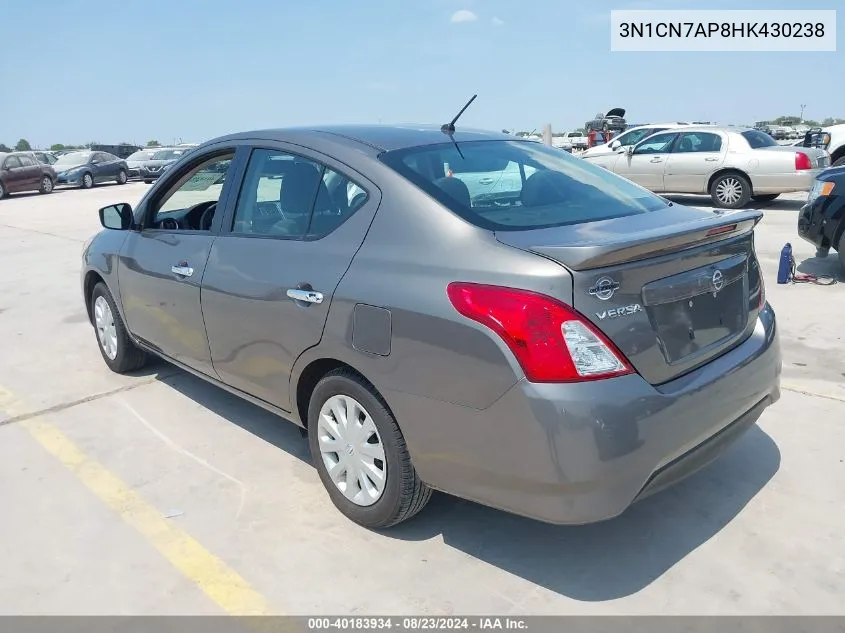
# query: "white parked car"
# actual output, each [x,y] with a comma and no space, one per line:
[733,165]
[631,136]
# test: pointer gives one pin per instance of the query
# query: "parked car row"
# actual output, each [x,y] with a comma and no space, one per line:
[25,171]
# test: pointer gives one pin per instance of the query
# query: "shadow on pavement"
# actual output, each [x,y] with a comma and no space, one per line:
[261,423]
[596,562]
[829,266]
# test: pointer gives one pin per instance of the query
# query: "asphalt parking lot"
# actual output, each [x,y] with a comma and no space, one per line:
[159,494]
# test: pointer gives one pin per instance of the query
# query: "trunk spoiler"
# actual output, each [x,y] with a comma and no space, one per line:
[620,247]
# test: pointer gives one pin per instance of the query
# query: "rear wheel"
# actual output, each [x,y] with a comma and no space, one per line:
[730,191]
[765,197]
[46,185]
[117,349]
[122,177]
[360,453]
[87,181]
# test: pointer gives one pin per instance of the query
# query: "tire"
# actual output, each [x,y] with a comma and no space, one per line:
[766,197]
[840,250]
[122,177]
[87,181]
[3,193]
[730,191]
[46,185]
[147,181]
[117,349]
[839,162]
[402,493]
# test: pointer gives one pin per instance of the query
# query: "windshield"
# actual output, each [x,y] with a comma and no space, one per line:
[168,154]
[517,185]
[76,158]
[143,155]
[757,139]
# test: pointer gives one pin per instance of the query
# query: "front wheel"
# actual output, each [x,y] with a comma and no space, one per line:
[87,180]
[46,185]
[2,191]
[730,191]
[765,197]
[118,351]
[360,453]
[122,177]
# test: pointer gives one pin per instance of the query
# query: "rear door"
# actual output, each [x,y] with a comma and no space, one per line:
[647,164]
[694,158]
[298,221]
[31,171]
[162,263]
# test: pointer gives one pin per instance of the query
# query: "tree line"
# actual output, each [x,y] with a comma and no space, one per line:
[24,146]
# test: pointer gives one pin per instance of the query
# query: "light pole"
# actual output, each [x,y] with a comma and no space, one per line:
[803,105]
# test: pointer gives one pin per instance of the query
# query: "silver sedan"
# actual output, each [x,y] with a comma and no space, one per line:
[732,165]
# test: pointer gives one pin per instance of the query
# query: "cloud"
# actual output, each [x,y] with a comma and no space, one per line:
[497,21]
[463,15]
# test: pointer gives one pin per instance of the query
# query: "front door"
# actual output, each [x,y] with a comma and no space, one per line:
[14,175]
[695,157]
[272,273]
[645,166]
[162,264]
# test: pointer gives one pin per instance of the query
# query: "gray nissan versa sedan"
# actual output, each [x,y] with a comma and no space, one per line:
[559,347]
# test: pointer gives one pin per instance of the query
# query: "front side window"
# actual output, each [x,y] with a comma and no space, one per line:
[699,142]
[288,196]
[12,162]
[657,144]
[539,187]
[193,194]
[635,136]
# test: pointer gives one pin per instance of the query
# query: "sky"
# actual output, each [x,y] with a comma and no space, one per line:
[191,70]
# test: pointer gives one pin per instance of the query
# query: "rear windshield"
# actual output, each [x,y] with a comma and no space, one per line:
[519,185]
[757,139]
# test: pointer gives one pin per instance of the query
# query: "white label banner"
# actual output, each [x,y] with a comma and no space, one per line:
[723,30]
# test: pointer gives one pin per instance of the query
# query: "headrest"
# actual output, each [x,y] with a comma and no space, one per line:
[456,189]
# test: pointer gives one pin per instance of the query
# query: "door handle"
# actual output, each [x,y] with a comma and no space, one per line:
[656,160]
[711,159]
[485,181]
[308,296]
[183,270]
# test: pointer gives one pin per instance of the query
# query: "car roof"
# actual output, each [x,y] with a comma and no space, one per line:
[383,138]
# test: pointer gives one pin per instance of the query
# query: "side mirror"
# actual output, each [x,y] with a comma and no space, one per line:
[614,145]
[117,217]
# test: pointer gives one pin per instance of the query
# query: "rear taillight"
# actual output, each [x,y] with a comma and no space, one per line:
[802,161]
[551,341]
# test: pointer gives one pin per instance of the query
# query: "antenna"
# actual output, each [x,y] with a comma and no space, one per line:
[449,128]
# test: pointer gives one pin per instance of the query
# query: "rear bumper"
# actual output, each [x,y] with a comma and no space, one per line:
[581,453]
[784,183]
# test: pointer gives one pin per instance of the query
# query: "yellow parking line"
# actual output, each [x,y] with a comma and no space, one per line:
[216,579]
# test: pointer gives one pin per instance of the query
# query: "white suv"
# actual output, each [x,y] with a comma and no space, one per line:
[631,136]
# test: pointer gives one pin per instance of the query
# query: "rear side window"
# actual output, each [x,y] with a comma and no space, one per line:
[288,196]
[757,139]
[519,185]
[26,161]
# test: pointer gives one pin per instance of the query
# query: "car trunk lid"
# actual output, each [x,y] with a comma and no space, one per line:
[673,289]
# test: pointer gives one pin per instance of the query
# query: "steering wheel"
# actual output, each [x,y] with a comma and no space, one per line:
[207,217]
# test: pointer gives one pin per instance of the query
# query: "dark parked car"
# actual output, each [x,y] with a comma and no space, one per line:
[85,169]
[135,161]
[822,220]
[559,349]
[21,171]
[155,166]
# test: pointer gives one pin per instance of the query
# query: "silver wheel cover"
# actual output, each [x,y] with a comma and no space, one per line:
[106,331]
[352,450]
[729,190]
